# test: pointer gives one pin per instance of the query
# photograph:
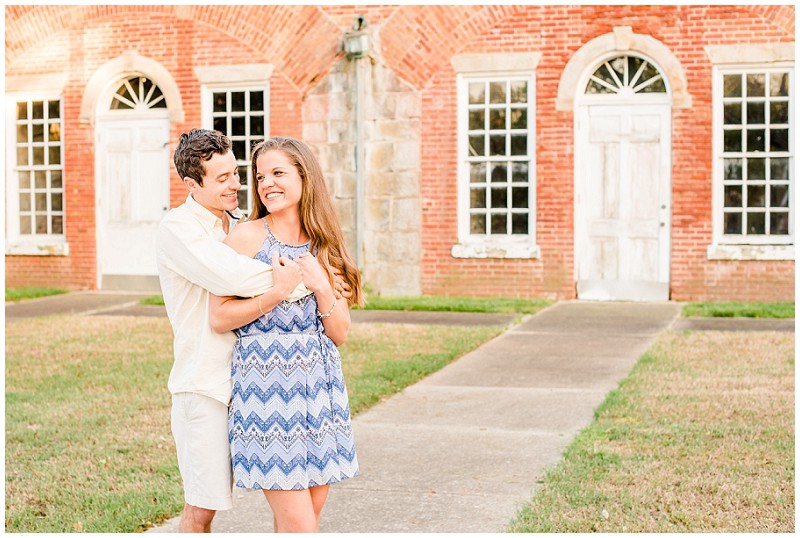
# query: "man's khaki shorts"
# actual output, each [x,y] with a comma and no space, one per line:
[200,428]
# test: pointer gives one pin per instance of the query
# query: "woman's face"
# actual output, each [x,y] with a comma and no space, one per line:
[280,186]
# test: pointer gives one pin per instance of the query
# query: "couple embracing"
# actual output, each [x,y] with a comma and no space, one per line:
[258,308]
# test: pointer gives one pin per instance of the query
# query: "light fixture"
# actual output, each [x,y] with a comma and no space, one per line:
[356,43]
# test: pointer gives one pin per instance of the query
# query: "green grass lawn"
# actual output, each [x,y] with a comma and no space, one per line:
[699,438]
[739,310]
[19,294]
[88,442]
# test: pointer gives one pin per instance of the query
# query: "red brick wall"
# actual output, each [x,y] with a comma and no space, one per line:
[303,43]
[558,32]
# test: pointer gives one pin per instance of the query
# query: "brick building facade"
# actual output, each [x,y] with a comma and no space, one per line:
[601,152]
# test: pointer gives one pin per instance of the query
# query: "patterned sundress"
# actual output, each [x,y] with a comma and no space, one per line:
[289,419]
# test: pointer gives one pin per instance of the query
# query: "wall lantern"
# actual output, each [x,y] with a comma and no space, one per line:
[356,43]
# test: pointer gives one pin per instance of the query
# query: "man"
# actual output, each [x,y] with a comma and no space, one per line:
[193,262]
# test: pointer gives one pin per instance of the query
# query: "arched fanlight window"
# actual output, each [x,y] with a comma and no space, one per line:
[138,93]
[626,75]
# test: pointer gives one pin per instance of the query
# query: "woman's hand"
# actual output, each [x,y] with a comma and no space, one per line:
[315,277]
[286,275]
[340,288]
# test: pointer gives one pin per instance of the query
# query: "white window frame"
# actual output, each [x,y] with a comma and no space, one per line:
[494,67]
[737,60]
[18,243]
[233,78]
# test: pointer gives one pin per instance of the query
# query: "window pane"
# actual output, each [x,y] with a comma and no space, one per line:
[221,125]
[519,172]
[40,201]
[53,109]
[22,133]
[58,224]
[241,196]
[779,84]
[257,126]
[25,201]
[755,85]
[733,223]
[477,92]
[519,118]
[237,101]
[656,87]
[499,224]
[477,146]
[779,139]
[22,111]
[54,134]
[219,102]
[519,197]
[38,156]
[756,196]
[237,127]
[779,223]
[477,198]
[26,180]
[500,198]
[497,118]
[779,168]
[519,144]
[497,92]
[56,201]
[756,168]
[733,113]
[519,91]
[733,196]
[38,110]
[499,173]
[595,87]
[755,113]
[477,172]
[497,145]
[40,179]
[37,130]
[779,112]
[41,223]
[779,196]
[755,140]
[256,101]
[519,223]
[477,224]
[733,169]
[25,223]
[55,179]
[22,156]
[55,155]
[476,120]
[756,224]
[733,140]
[240,149]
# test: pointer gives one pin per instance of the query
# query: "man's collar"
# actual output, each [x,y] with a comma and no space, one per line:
[201,211]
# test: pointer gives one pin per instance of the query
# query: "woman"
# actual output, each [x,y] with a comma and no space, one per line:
[289,420]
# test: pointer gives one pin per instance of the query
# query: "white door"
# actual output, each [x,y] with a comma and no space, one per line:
[623,202]
[132,195]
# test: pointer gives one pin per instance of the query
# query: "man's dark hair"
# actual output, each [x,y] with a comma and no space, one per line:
[197,147]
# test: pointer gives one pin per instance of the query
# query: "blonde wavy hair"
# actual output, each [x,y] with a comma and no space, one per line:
[317,216]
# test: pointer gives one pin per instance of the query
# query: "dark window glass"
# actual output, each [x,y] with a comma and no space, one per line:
[733,140]
[237,101]
[219,102]
[779,84]
[779,196]
[519,144]
[497,92]
[755,85]
[779,112]
[499,173]
[755,112]
[477,198]
[756,196]
[733,223]
[779,223]
[499,198]
[497,118]
[497,144]
[519,197]
[499,224]
[733,113]
[733,196]
[756,168]
[256,101]
[779,139]
[476,120]
[257,126]
[477,172]
[477,93]
[477,146]
[779,168]
[477,224]
[238,126]
[519,223]
[733,169]
[755,140]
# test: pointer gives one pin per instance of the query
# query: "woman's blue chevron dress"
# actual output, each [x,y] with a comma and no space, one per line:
[289,419]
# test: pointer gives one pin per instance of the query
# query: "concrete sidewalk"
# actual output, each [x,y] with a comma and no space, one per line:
[461,450]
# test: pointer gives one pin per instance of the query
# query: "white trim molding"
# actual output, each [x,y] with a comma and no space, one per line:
[496,62]
[621,40]
[750,252]
[126,64]
[234,74]
[750,53]
[495,250]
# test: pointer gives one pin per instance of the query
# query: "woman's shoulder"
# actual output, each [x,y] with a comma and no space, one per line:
[247,235]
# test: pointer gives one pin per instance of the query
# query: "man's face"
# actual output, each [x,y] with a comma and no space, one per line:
[220,184]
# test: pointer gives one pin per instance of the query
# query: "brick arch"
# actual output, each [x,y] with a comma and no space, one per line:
[622,39]
[303,42]
[417,41]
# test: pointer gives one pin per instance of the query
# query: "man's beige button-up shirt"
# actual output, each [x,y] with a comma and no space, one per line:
[193,261]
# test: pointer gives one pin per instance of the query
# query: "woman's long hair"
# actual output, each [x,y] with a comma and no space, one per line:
[317,216]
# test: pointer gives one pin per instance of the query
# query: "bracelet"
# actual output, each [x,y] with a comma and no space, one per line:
[329,312]
[259,305]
